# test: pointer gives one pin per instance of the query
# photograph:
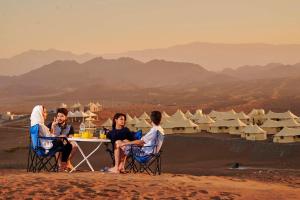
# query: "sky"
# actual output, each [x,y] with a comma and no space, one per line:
[113,26]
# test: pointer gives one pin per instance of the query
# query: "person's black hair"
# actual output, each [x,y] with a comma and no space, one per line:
[117,115]
[155,117]
[62,111]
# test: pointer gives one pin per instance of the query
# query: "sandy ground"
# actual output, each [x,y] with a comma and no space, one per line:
[18,184]
[194,167]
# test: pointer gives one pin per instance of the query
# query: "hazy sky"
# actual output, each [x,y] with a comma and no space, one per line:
[107,26]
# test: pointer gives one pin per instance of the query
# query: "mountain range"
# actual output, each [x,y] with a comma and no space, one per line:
[212,56]
[217,56]
[157,82]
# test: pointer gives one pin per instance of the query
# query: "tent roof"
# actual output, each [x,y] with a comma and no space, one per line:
[205,119]
[144,116]
[71,114]
[128,117]
[284,115]
[288,132]
[253,129]
[165,115]
[198,114]
[134,121]
[185,123]
[289,123]
[108,122]
[142,124]
[270,124]
[188,114]
[178,115]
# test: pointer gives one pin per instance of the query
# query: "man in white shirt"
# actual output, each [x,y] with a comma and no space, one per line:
[150,143]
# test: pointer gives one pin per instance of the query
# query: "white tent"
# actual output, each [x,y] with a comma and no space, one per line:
[165,115]
[236,126]
[254,132]
[107,124]
[71,114]
[198,114]
[287,135]
[177,125]
[128,117]
[131,123]
[281,116]
[188,114]
[219,126]
[143,125]
[204,122]
[271,126]
[144,116]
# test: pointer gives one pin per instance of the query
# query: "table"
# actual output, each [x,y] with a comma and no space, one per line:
[85,158]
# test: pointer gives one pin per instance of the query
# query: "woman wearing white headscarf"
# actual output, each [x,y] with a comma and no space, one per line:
[38,117]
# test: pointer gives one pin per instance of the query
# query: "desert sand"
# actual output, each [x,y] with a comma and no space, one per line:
[16,184]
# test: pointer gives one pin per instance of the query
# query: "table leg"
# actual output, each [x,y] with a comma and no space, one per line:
[85,158]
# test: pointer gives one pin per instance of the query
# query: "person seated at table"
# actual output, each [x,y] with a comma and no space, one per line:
[38,117]
[123,148]
[119,131]
[61,127]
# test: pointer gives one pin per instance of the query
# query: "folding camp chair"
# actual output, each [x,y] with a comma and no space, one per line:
[151,163]
[110,148]
[39,158]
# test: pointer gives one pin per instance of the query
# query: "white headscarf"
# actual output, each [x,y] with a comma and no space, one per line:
[37,118]
[37,115]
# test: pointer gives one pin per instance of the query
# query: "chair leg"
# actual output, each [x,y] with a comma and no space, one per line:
[28,159]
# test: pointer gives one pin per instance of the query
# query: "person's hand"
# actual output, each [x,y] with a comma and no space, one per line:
[54,122]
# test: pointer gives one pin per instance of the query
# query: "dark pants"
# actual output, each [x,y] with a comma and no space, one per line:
[64,147]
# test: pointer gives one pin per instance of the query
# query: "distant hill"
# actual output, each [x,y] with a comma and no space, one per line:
[217,56]
[34,59]
[270,71]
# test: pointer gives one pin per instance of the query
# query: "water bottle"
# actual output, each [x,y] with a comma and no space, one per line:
[82,127]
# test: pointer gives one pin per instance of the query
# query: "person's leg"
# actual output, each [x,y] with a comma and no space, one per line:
[66,150]
[123,157]
[117,154]
[58,145]
[74,149]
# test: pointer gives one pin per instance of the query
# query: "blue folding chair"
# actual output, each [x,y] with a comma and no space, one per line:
[110,148]
[151,163]
[38,157]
